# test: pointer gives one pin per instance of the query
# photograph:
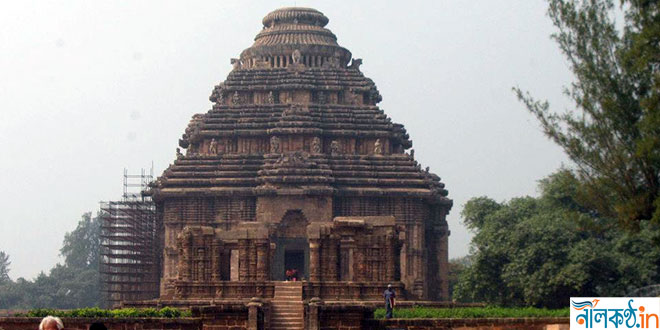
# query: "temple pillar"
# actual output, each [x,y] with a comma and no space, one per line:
[442,233]
[262,260]
[314,260]
[390,255]
[184,258]
[243,260]
[368,259]
[417,262]
[313,319]
[216,257]
[252,261]
[359,271]
[325,267]
[346,246]
[331,259]
[253,313]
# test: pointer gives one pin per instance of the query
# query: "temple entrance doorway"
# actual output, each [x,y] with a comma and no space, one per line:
[291,247]
[294,263]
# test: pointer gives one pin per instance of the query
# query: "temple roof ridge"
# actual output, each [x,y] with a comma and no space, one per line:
[294,29]
[295,15]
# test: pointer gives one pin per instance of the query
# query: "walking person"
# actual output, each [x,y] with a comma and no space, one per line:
[389,296]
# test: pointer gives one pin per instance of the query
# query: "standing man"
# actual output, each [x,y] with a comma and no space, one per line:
[389,296]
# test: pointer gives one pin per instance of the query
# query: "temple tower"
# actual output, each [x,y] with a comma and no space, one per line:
[296,167]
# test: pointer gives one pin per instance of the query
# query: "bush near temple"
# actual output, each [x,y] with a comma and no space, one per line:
[166,312]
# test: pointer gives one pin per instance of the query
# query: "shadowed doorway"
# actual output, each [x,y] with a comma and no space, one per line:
[295,259]
[291,247]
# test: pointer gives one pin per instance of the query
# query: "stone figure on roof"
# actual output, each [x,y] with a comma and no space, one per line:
[378,147]
[335,148]
[316,145]
[355,63]
[296,56]
[213,147]
[274,144]
[191,151]
[236,98]
[236,63]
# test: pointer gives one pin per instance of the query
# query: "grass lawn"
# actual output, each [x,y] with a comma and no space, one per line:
[472,312]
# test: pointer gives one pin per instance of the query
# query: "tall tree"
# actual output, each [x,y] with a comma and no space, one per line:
[541,251]
[81,246]
[4,267]
[613,134]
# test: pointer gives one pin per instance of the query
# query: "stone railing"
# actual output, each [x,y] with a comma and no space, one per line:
[347,290]
[224,289]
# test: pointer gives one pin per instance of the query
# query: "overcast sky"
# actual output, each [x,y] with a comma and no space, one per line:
[88,88]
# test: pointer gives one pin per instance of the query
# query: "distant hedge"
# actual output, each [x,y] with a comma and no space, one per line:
[166,312]
[472,312]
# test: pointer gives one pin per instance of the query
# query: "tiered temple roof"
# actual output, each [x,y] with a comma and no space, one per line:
[295,52]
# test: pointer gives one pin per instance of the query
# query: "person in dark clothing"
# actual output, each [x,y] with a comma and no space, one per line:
[389,296]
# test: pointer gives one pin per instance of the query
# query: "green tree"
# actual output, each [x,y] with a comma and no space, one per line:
[72,285]
[4,267]
[81,246]
[541,251]
[613,134]
[456,267]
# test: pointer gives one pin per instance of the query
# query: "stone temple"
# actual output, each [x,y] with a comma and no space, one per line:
[296,167]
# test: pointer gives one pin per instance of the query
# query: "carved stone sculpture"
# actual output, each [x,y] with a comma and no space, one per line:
[179,155]
[316,145]
[236,98]
[296,56]
[271,98]
[191,150]
[236,63]
[274,144]
[213,147]
[378,147]
[355,64]
[335,148]
[354,97]
[294,159]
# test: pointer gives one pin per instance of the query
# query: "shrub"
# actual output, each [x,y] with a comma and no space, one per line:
[166,312]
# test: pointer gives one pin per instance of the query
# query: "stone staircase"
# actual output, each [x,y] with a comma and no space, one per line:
[287,310]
